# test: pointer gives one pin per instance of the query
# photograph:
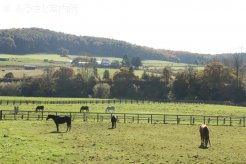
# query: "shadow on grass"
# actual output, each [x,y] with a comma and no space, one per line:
[111,128]
[203,147]
[56,132]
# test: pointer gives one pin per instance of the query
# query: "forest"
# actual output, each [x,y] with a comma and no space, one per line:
[36,40]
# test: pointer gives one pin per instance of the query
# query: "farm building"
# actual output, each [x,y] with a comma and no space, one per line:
[105,63]
[4,59]
[30,67]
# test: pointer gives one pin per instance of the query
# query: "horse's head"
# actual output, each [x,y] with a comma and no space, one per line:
[48,117]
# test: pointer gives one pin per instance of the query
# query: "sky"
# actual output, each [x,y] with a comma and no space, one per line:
[201,26]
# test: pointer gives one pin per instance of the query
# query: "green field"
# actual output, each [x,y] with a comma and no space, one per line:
[16,63]
[37,142]
[146,107]
[34,141]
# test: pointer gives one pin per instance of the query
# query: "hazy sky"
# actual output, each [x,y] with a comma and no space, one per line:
[204,26]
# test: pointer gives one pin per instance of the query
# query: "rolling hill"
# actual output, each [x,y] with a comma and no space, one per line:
[35,40]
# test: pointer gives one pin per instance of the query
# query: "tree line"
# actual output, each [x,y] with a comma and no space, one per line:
[36,40]
[216,82]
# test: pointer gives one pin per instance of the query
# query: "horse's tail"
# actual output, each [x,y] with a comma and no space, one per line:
[208,137]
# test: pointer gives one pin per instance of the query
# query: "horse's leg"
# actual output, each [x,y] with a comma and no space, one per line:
[57,127]
[201,136]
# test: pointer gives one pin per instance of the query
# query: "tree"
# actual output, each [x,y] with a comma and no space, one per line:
[166,74]
[101,90]
[237,63]
[180,86]
[136,62]
[63,80]
[123,83]
[8,76]
[106,74]
[64,72]
[125,61]
[63,52]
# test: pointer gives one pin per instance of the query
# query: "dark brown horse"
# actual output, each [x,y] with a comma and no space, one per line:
[113,121]
[204,133]
[84,108]
[39,108]
[60,120]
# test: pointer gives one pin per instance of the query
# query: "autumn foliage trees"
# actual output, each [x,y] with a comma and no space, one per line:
[216,82]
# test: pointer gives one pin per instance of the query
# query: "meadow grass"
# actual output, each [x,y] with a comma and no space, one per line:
[141,108]
[91,142]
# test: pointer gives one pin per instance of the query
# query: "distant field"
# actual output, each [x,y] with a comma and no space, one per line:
[37,142]
[41,57]
[16,63]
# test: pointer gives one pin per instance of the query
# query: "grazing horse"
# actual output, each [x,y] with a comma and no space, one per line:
[84,108]
[113,121]
[204,133]
[39,108]
[110,108]
[16,110]
[60,120]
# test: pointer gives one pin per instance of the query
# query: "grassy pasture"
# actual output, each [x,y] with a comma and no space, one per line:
[154,108]
[16,62]
[37,142]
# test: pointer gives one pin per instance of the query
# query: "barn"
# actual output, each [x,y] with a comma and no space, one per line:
[30,67]
[4,59]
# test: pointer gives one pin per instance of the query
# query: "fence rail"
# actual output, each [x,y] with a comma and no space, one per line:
[111,101]
[129,117]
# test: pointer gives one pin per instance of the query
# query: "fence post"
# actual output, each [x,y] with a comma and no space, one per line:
[151,118]
[178,119]
[244,121]
[124,118]
[230,122]
[1,114]
[217,120]
[138,118]
[164,121]
[28,115]
[204,119]
[84,116]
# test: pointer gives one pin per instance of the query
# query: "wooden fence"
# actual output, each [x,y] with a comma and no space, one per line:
[129,118]
[110,101]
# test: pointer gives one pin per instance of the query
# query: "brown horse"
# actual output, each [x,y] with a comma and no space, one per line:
[60,120]
[84,108]
[113,121]
[39,108]
[204,133]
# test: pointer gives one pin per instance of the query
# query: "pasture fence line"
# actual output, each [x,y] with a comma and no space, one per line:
[111,101]
[129,117]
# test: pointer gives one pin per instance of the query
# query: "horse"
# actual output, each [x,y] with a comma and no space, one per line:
[16,109]
[204,133]
[60,120]
[110,108]
[84,108]
[113,121]
[39,108]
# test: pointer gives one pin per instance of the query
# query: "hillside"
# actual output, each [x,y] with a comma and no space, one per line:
[36,40]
